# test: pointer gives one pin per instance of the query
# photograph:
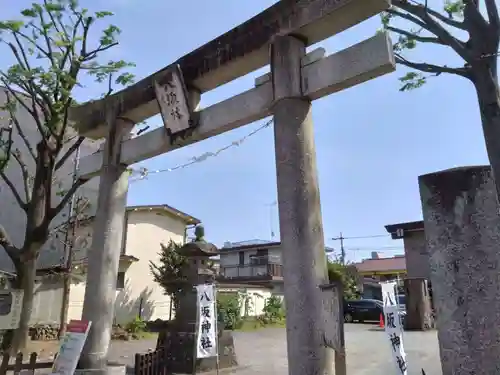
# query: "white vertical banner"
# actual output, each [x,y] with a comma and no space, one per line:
[393,327]
[206,343]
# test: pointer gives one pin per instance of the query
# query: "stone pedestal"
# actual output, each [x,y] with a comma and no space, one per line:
[418,305]
[462,228]
[180,341]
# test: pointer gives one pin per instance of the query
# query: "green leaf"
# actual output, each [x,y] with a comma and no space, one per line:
[11,25]
[125,79]
[29,13]
[103,14]
[412,80]
[454,8]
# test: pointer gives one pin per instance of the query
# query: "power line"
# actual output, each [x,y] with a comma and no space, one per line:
[371,236]
[360,237]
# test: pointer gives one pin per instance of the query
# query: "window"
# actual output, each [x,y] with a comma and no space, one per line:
[5,303]
[366,304]
[242,258]
[120,281]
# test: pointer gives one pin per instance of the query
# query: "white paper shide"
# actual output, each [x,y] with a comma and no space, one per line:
[393,327]
[206,345]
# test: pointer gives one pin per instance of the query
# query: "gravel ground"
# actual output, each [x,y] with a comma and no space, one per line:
[264,352]
[368,352]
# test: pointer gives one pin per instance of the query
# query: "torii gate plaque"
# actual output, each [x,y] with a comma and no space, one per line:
[296,79]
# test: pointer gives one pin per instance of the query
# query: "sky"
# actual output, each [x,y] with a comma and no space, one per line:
[372,141]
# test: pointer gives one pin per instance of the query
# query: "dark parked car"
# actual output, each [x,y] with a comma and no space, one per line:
[365,310]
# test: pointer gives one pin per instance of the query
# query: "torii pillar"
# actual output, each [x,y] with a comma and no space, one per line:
[301,227]
[104,254]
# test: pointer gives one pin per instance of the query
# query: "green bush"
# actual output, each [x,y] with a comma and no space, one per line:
[273,310]
[136,326]
[229,310]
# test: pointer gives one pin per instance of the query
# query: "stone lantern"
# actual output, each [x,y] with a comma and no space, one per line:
[179,337]
[197,271]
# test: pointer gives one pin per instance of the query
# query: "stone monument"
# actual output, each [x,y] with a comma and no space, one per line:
[462,224]
[178,338]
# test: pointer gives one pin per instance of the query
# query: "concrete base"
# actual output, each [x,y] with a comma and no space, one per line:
[109,370]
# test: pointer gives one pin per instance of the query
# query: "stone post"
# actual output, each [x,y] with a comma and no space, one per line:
[462,230]
[104,254]
[418,305]
[301,227]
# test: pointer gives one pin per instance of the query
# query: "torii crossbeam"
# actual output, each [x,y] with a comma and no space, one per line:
[296,79]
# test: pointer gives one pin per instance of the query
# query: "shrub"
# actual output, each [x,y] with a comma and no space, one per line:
[273,310]
[229,310]
[136,326]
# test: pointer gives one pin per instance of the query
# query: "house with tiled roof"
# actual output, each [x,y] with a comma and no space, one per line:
[382,268]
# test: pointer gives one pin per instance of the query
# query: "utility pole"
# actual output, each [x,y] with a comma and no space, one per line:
[342,250]
[69,242]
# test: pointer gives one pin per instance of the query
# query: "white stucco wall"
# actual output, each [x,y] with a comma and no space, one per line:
[146,230]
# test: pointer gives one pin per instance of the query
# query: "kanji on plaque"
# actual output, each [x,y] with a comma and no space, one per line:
[171,95]
[206,345]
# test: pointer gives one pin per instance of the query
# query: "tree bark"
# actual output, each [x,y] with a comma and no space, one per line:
[485,80]
[63,319]
[36,234]
[25,280]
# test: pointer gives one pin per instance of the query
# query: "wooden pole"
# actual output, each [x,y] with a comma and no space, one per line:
[69,244]
[304,261]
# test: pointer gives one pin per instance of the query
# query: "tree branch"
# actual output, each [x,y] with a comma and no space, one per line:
[432,69]
[29,85]
[8,147]
[474,19]
[493,17]
[92,54]
[19,128]
[10,249]
[446,20]
[12,188]
[68,153]
[408,17]
[418,38]
[53,212]
[24,172]
[435,28]
[19,100]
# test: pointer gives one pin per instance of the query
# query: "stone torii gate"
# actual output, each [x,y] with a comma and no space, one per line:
[277,36]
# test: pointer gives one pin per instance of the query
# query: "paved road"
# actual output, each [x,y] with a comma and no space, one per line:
[368,352]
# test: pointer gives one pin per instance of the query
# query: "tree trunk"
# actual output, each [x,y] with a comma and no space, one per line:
[65,304]
[486,83]
[26,281]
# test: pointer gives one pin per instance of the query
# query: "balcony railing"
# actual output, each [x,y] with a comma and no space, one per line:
[256,271]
